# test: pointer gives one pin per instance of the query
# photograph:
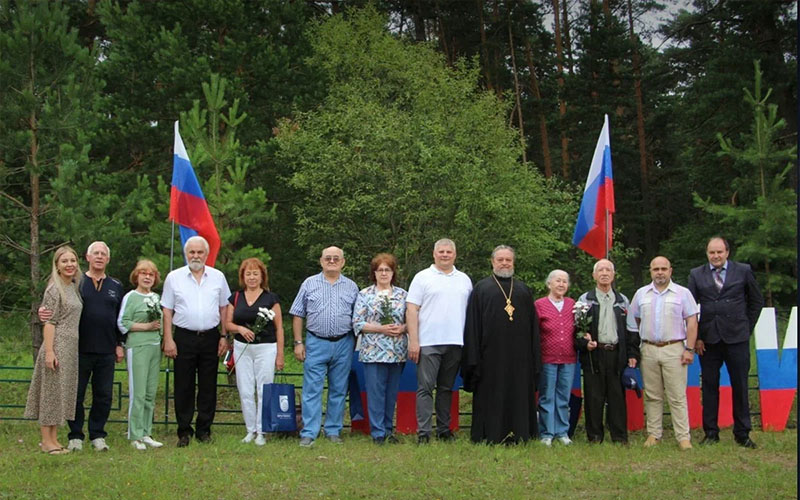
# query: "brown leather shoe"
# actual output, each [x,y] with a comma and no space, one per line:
[651,441]
[685,444]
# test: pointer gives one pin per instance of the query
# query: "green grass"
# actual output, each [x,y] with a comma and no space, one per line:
[359,469]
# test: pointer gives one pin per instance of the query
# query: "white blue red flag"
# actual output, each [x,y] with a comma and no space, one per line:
[594,226]
[187,205]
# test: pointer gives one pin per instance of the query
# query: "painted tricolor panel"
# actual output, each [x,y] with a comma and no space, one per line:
[187,206]
[777,372]
[594,225]
[407,401]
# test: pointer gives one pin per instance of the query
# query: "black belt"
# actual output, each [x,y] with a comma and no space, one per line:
[607,347]
[662,344]
[331,339]
[199,333]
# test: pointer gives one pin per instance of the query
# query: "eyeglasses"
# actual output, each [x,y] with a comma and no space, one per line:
[147,273]
[383,271]
[331,258]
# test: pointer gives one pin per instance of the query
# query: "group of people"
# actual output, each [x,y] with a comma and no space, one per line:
[507,346]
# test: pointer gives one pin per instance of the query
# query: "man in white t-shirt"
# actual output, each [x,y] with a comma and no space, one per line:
[435,314]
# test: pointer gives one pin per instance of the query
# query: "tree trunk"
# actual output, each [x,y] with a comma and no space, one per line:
[516,91]
[484,51]
[566,43]
[546,159]
[497,55]
[562,105]
[34,252]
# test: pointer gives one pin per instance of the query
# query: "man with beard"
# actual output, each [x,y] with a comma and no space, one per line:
[502,355]
[194,299]
[665,315]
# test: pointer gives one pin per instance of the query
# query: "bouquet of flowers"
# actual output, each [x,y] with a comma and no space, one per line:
[153,308]
[386,310]
[582,318]
[263,317]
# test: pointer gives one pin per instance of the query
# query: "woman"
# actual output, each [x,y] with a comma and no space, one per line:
[257,353]
[54,385]
[379,320]
[140,319]
[557,331]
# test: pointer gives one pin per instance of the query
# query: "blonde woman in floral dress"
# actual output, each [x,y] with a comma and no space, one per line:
[379,321]
[54,385]
[140,320]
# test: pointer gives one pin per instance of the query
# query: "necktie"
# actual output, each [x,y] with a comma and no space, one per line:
[718,278]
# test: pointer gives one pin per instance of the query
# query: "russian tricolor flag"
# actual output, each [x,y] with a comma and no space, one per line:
[187,206]
[593,228]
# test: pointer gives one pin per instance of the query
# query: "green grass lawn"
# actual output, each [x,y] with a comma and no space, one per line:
[359,469]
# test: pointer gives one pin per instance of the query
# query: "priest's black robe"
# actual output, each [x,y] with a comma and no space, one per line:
[501,361]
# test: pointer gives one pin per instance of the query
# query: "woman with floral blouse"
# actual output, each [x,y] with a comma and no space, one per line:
[379,321]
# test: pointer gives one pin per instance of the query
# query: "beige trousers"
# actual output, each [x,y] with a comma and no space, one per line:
[664,375]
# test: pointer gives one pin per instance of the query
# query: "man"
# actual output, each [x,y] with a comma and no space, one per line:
[194,301]
[501,358]
[665,315]
[730,303]
[99,347]
[604,353]
[436,309]
[326,302]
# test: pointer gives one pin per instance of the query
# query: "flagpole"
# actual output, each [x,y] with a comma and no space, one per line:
[605,233]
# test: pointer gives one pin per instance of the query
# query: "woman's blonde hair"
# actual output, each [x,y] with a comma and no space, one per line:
[56,281]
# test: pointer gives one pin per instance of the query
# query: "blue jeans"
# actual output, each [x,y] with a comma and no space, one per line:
[332,359]
[383,382]
[555,383]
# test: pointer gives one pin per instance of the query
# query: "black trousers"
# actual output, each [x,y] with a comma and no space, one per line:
[737,358]
[100,369]
[603,390]
[195,376]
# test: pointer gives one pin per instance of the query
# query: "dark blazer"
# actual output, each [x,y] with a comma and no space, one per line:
[728,315]
[628,342]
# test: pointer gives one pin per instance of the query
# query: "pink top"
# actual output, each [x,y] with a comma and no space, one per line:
[557,331]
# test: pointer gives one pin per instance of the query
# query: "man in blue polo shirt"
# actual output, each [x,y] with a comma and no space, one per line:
[99,347]
[326,302]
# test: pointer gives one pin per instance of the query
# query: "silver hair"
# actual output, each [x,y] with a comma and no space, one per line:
[195,239]
[594,268]
[445,242]
[504,247]
[92,245]
[553,275]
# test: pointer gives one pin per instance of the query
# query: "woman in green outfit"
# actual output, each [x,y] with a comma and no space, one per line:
[140,320]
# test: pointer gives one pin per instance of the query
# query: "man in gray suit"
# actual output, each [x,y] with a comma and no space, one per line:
[730,303]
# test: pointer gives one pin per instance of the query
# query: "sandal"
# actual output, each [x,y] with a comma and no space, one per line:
[56,451]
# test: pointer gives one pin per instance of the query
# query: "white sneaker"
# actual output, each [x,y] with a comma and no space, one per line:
[547,442]
[261,440]
[565,440]
[75,445]
[152,443]
[249,437]
[138,445]
[99,444]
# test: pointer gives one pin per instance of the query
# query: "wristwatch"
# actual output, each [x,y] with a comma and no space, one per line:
[298,342]
[690,349]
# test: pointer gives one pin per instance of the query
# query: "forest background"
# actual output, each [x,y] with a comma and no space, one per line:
[386,125]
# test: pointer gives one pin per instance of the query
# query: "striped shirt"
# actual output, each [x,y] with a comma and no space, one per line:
[328,308]
[662,314]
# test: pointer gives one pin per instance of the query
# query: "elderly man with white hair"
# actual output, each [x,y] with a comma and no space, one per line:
[194,299]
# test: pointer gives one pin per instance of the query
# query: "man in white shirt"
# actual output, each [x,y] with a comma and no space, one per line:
[435,315]
[194,299]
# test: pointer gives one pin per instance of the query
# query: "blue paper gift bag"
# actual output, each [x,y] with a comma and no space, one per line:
[278,413]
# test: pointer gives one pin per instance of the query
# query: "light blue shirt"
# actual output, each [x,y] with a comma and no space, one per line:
[328,308]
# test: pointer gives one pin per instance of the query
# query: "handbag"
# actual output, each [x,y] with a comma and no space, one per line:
[228,360]
[278,413]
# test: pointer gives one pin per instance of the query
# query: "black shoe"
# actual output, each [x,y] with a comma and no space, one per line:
[183,441]
[423,439]
[391,439]
[710,439]
[379,440]
[746,443]
[204,438]
[446,436]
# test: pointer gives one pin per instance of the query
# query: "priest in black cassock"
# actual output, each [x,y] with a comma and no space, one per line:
[501,359]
